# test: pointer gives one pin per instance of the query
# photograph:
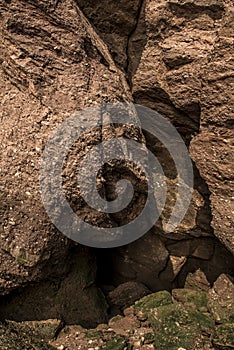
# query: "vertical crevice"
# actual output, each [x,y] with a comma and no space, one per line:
[131,35]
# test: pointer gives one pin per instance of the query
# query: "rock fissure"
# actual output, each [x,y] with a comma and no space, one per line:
[175,58]
[130,37]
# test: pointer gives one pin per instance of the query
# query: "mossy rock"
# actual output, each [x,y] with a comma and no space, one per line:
[198,298]
[149,338]
[177,325]
[150,302]
[92,334]
[221,301]
[117,343]
[12,338]
[41,330]
[115,319]
[222,311]
[223,338]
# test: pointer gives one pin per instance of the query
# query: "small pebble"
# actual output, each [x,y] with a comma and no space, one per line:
[61,347]
[137,343]
[141,316]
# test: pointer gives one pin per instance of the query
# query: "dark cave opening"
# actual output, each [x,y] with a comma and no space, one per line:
[123,275]
[105,267]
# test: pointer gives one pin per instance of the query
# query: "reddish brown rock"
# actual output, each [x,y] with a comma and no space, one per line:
[183,71]
[221,300]
[126,294]
[52,64]
[177,57]
[197,281]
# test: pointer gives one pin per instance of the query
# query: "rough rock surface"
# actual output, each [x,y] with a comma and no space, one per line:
[221,300]
[115,22]
[51,64]
[28,335]
[176,57]
[157,321]
[197,281]
[49,69]
[126,294]
[185,71]
[179,57]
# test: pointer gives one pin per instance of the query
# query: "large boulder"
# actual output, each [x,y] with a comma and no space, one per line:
[52,64]
[183,70]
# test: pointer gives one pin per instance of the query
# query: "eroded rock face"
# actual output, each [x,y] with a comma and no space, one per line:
[126,294]
[115,22]
[184,72]
[52,64]
[174,57]
[197,281]
[220,300]
[180,56]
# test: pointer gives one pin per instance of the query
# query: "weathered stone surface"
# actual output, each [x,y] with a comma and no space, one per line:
[126,294]
[47,73]
[115,22]
[197,281]
[198,298]
[122,325]
[141,261]
[198,248]
[152,301]
[183,71]
[221,300]
[177,57]
[176,326]
[173,268]
[223,338]
[43,330]
[52,64]
[221,200]
[74,298]
[165,50]
[15,336]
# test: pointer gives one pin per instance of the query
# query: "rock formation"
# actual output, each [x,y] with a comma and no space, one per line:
[58,57]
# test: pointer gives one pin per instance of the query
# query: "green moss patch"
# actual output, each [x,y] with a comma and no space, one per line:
[14,338]
[152,301]
[198,298]
[117,343]
[93,335]
[224,336]
[176,325]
